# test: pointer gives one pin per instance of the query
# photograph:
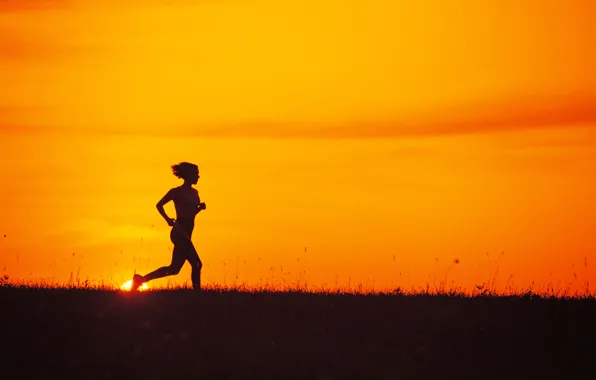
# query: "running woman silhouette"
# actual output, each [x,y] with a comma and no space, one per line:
[188,204]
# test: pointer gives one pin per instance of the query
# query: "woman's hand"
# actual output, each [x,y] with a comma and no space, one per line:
[201,206]
[171,222]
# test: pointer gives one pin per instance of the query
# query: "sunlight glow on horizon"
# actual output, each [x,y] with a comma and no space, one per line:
[128,284]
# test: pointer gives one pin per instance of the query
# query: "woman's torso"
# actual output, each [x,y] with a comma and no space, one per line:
[186,200]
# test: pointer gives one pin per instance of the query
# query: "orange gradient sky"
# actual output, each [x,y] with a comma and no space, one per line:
[339,142]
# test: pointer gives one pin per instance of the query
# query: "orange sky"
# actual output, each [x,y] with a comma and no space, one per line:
[389,138]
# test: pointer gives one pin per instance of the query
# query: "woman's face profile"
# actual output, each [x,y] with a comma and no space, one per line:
[194,177]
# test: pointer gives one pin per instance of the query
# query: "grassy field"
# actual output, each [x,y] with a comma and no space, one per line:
[175,334]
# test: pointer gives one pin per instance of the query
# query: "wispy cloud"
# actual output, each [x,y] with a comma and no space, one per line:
[14,119]
[33,5]
[498,116]
[48,5]
[18,48]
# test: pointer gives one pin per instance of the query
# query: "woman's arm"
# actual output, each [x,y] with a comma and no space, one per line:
[201,206]
[166,198]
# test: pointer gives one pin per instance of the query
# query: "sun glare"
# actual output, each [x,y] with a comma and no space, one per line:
[127,285]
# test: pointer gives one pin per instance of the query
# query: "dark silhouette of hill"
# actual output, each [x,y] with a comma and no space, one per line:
[175,334]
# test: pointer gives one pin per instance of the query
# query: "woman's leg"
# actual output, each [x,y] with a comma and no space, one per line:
[196,265]
[178,258]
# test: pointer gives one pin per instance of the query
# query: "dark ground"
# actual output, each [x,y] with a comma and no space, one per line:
[94,334]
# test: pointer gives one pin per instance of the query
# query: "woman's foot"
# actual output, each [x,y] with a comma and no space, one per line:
[137,281]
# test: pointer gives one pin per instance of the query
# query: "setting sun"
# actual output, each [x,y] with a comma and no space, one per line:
[127,285]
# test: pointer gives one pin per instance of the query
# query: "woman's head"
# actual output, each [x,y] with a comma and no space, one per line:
[186,171]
